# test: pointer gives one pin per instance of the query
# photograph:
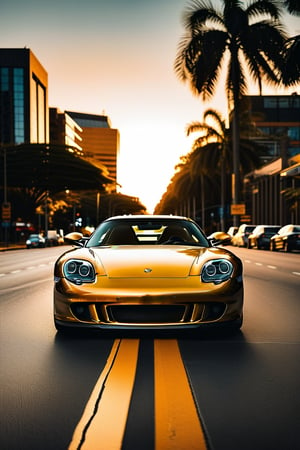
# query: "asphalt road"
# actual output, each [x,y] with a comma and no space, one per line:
[215,391]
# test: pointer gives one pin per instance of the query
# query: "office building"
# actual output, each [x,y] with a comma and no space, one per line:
[100,142]
[65,131]
[271,191]
[23,98]
[277,118]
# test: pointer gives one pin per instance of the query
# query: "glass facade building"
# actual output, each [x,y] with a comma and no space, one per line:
[23,98]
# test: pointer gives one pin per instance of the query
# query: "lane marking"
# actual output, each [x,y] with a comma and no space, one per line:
[13,272]
[103,422]
[177,423]
[25,285]
[269,266]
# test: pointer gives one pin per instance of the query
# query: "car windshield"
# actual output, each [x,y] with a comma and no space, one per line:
[271,230]
[147,232]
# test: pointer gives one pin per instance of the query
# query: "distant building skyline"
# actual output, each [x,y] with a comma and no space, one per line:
[25,116]
[100,142]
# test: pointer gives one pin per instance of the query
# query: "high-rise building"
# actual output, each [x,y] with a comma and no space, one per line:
[24,114]
[100,142]
[64,130]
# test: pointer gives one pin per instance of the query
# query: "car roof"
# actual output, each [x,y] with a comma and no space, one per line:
[147,217]
[267,226]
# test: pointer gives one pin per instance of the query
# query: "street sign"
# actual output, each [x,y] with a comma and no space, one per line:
[246,219]
[6,211]
[238,210]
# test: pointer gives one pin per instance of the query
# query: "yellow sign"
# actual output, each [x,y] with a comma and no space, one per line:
[6,211]
[238,210]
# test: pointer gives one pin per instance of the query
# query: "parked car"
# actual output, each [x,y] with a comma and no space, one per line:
[35,241]
[240,239]
[232,231]
[261,235]
[287,239]
[147,272]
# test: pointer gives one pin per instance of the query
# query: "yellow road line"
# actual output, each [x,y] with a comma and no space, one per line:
[177,423]
[104,419]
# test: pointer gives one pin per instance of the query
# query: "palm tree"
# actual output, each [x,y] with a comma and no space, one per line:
[212,148]
[233,37]
[218,135]
[291,51]
[293,6]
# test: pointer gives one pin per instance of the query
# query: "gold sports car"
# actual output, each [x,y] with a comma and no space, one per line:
[147,272]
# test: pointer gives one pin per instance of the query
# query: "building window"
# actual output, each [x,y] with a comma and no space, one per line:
[270,102]
[5,101]
[4,79]
[294,133]
[18,105]
[37,111]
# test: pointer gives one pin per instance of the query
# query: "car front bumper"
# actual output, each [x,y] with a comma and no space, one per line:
[152,309]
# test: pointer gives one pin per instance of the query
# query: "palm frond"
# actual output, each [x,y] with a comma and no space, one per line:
[199,13]
[272,9]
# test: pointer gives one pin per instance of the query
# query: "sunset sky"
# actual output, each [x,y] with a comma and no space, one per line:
[116,57]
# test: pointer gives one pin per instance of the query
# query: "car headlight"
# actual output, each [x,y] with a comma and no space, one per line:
[78,271]
[216,271]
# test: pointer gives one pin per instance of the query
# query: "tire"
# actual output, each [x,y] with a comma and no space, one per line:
[286,247]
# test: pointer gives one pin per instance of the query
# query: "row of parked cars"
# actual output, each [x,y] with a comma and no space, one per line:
[267,237]
[39,241]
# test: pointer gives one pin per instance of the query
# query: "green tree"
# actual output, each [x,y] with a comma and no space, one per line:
[233,37]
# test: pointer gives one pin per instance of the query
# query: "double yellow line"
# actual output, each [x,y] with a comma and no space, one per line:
[177,422]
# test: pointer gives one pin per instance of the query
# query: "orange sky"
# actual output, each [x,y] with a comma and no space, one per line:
[116,57]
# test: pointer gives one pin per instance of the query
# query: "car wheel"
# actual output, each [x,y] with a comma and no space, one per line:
[286,247]
[249,245]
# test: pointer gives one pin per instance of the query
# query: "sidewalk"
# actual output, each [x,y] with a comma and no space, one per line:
[10,246]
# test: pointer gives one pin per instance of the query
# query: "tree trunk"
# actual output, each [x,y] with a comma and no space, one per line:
[235,136]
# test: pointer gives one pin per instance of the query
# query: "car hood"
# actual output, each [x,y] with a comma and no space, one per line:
[125,262]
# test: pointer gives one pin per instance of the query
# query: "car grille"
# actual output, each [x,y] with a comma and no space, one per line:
[148,314]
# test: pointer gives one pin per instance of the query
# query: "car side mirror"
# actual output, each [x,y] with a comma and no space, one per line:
[75,238]
[219,237]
